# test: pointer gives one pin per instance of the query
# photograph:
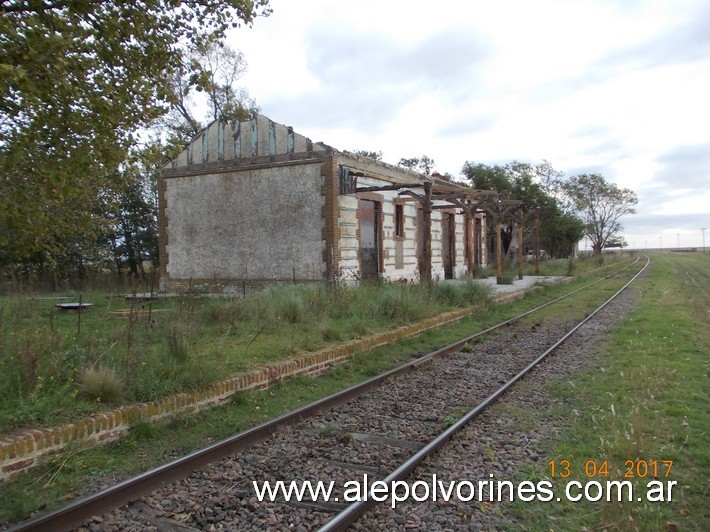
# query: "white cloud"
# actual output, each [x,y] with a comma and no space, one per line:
[613,86]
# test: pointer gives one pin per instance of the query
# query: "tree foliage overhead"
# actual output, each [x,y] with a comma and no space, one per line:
[601,205]
[77,77]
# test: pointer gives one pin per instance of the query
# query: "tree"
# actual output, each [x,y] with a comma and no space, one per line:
[376,155]
[132,210]
[600,205]
[212,73]
[487,177]
[531,184]
[423,165]
[77,78]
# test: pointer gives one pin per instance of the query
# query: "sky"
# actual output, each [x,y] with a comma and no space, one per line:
[617,87]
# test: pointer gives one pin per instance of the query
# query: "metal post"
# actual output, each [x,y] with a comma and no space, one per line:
[703,230]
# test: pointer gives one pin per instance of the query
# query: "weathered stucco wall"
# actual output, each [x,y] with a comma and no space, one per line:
[248,224]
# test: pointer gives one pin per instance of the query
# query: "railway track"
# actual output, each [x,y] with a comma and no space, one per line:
[384,432]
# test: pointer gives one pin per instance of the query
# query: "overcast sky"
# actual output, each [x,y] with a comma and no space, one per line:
[619,87]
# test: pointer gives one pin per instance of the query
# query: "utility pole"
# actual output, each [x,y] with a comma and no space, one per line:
[678,242]
[703,230]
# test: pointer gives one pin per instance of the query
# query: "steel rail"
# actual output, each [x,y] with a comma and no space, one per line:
[76,512]
[353,512]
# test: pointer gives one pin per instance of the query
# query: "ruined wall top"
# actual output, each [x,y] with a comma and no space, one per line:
[252,139]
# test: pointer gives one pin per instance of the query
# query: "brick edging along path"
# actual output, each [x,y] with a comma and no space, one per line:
[22,451]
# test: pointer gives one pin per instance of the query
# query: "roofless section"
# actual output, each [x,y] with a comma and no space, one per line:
[255,202]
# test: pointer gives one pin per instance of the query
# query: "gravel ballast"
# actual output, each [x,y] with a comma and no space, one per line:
[375,433]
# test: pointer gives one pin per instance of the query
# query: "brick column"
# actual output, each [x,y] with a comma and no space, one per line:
[331,217]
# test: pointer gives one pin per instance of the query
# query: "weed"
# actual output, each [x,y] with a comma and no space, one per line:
[453,416]
[223,311]
[484,273]
[101,384]
[360,327]
[448,294]
[192,341]
[571,266]
[292,310]
[330,430]
[241,398]
[336,371]
[142,431]
[329,333]
[178,341]
[476,293]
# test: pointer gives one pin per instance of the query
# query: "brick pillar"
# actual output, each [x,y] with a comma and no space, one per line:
[330,213]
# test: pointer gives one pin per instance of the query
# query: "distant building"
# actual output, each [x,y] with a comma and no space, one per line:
[255,201]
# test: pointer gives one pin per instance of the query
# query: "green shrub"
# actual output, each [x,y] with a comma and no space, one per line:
[507,278]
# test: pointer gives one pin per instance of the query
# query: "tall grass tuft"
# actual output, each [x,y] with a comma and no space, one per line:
[484,272]
[388,305]
[101,384]
[179,334]
[329,333]
[449,294]
[476,293]
[292,309]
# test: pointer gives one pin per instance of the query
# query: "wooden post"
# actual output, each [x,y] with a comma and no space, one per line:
[425,267]
[471,225]
[499,246]
[520,251]
[537,242]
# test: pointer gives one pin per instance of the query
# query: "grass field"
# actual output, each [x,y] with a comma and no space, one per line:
[56,365]
[66,474]
[646,403]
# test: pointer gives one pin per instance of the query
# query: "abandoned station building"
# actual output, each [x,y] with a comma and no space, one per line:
[256,201]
